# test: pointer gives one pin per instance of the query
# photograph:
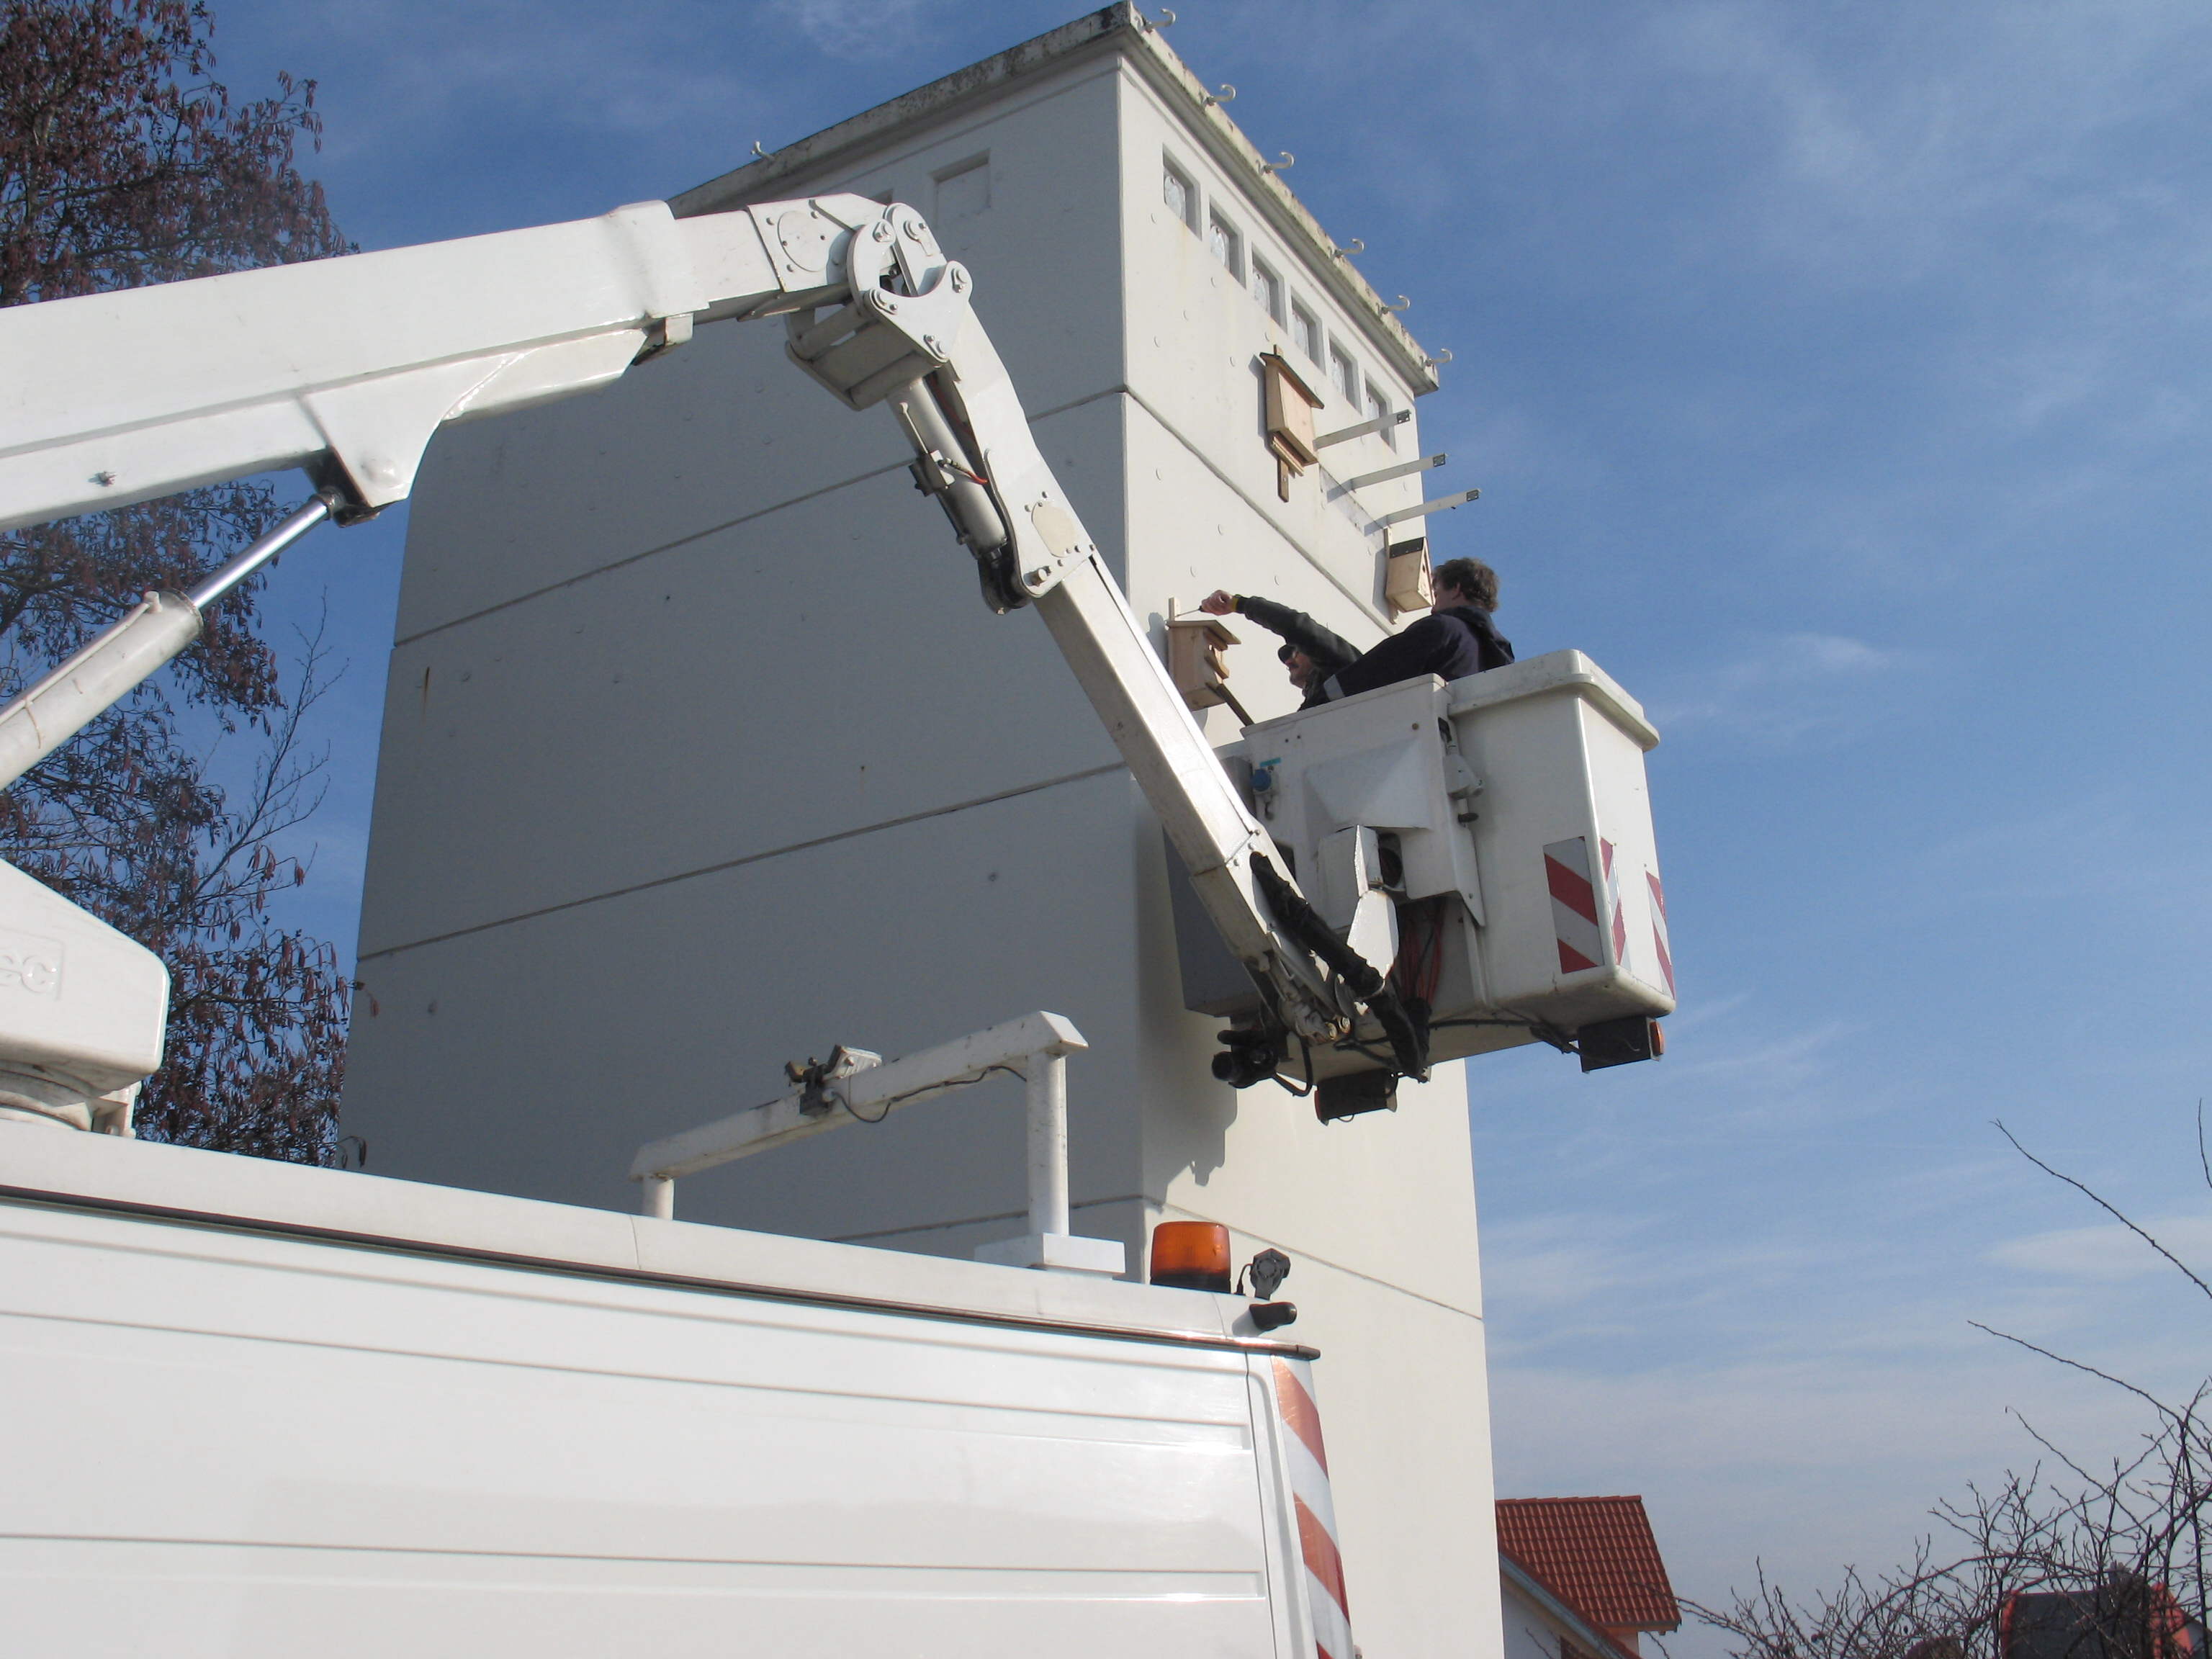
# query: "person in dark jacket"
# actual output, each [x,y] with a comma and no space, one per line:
[1308,650]
[1456,639]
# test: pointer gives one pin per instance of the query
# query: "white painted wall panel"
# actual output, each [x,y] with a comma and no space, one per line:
[725,428]
[1191,532]
[1047,282]
[819,669]
[716,433]
[536,1057]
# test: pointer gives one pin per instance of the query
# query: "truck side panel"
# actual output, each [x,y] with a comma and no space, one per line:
[226,1442]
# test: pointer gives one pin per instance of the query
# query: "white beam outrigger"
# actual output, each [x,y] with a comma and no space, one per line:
[856,1086]
[347,366]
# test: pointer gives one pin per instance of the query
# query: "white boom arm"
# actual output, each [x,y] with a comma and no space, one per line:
[347,366]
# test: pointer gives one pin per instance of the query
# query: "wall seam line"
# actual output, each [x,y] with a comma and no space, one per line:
[739,863]
[655,551]
[1123,390]
[629,559]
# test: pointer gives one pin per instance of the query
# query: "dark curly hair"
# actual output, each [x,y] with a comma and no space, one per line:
[1471,577]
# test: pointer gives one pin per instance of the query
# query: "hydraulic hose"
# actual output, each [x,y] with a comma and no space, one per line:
[1360,976]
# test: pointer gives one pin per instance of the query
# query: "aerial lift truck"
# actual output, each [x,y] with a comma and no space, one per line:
[565,1430]
[1407,877]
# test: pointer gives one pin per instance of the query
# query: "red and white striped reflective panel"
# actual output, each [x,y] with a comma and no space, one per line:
[1613,904]
[1316,1515]
[1574,905]
[1659,929]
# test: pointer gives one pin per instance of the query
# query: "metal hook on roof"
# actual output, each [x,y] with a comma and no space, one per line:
[762,153]
[1352,249]
[1443,355]
[1402,303]
[1281,163]
[1165,18]
[1226,96]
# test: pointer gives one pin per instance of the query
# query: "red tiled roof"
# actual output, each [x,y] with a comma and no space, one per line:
[1596,1554]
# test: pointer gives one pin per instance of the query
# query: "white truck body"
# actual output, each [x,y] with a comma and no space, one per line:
[265,1410]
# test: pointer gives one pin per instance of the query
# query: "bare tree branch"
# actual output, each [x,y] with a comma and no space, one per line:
[2109,1566]
[2180,1265]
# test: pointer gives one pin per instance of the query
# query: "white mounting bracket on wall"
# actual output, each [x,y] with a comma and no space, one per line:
[1034,1047]
[1403,469]
[1344,434]
[1436,504]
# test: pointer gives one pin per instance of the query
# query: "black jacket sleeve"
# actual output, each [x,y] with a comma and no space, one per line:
[1329,651]
[1449,644]
[1429,646]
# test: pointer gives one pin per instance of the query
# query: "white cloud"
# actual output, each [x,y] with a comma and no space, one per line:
[856,28]
[1558,1275]
[1789,689]
[1998,162]
[2095,849]
[1896,148]
[1764,1073]
[655,68]
[2108,1253]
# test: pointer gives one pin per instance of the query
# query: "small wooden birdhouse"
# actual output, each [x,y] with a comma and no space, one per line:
[1406,581]
[1289,418]
[1195,663]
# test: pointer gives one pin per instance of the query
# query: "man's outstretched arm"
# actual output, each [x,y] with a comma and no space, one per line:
[1330,652]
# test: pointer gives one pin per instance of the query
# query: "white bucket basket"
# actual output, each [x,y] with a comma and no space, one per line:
[1512,825]
[1576,924]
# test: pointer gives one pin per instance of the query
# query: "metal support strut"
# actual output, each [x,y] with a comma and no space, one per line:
[1047,1098]
[302,519]
[42,718]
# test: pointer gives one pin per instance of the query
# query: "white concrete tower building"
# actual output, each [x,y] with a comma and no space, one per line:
[701,753]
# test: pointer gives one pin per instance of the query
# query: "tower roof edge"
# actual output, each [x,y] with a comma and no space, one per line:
[1121,29]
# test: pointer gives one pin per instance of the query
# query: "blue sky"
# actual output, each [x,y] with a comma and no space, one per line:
[1837,375]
